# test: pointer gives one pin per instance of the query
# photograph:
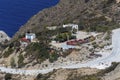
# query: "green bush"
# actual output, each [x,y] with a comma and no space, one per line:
[12,62]
[21,61]
[8,76]
[62,37]
[53,57]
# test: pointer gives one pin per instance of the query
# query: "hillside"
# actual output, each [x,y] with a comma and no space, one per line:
[111,73]
[90,15]
[100,16]
[86,13]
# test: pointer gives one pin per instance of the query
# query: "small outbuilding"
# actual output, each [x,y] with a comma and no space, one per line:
[30,36]
[73,26]
[24,42]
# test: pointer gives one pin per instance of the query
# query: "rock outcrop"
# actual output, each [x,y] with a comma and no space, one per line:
[113,75]
[117,1]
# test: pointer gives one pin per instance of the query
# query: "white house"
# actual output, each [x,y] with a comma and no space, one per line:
[73,26]
[30,36]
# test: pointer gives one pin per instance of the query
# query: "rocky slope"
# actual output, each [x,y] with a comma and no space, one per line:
[61,74]
[113,75]
[86,13]
[66,74]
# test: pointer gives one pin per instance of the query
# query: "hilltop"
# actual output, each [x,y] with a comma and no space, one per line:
[86,13]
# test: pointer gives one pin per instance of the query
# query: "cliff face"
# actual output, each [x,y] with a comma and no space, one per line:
[83,12]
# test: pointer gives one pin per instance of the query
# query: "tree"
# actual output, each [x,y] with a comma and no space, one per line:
[53,57]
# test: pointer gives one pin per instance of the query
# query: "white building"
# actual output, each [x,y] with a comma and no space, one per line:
[30,36]
[73,26]
[52,28]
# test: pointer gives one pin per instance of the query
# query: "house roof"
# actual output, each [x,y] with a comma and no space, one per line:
[25,40]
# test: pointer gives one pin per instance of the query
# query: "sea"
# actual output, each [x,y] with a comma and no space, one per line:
[15,13]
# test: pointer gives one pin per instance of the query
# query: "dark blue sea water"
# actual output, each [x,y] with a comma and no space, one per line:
[14,13]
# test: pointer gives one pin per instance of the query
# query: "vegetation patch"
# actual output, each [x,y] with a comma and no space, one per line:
[64,37]
[20,61]
[8,52]
[38,51]
[53,57]
[12,62]
[8,76]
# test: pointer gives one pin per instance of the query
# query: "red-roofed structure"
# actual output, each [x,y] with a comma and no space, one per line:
[25,40]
